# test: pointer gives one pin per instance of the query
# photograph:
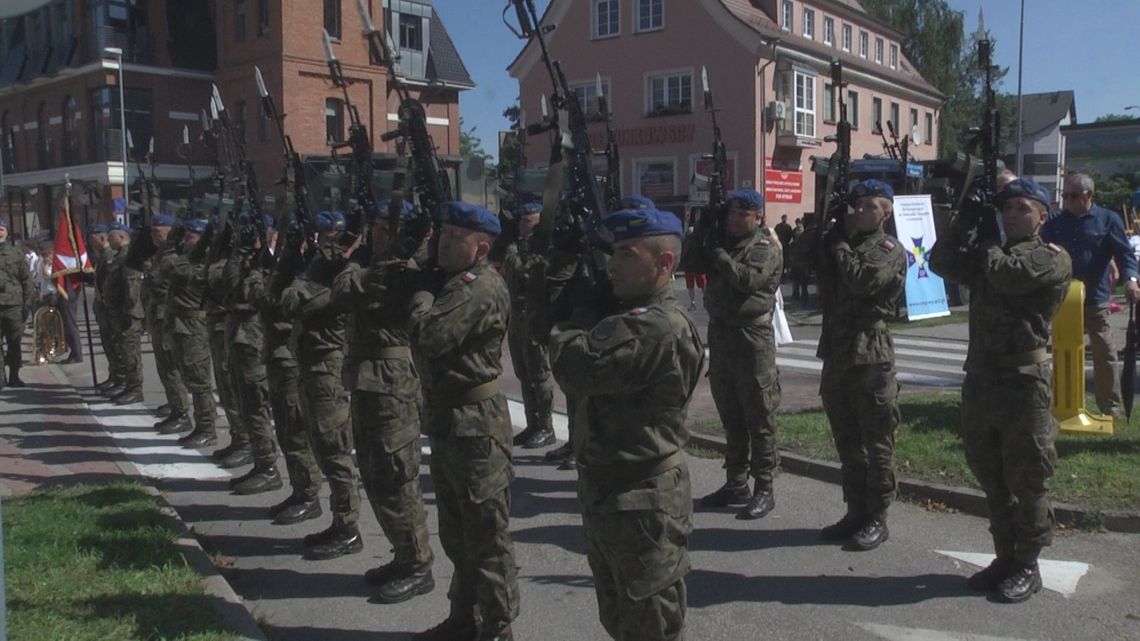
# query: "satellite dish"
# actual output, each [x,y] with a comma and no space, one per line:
[915,135]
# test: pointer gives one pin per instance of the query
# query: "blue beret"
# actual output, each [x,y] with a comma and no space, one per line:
[532,208]
[872,187]
[118,205]
[1024,188]
[117,226]
[636,223]
[746,199]
[97,228]
[3,223]
[330,221]
[461,214]
[637,202]
[162,220]
[406,209]
[268,220]
[196,225]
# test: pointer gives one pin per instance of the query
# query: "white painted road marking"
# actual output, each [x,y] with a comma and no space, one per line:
[1059,576]
[897,633]
[136,426]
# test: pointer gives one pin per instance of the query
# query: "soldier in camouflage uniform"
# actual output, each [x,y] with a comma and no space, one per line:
[154,290]
[385,389]
[245,339]
[102,255]
[529,356]
[15,298]
[184,273]
[457,335]
[744,270]
[863,279]
[1007,427]
[324,400]
[124,281]
[284,375]
[237,453]
[633,374]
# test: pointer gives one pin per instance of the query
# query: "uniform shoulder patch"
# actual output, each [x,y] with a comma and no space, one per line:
[1043,256]
[638,311]
[1056,249]
[610,333]
[469,277]
[887,244]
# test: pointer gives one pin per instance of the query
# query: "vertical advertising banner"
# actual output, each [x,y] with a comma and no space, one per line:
[925,290]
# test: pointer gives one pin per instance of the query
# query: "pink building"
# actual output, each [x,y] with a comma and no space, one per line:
[768,62]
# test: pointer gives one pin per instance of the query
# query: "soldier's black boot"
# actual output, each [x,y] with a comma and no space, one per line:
[404,584]
[173,424]
[198,439]
[298,512]
[843,529]
[236,458]
[559,454]
[290,501]
[264,480]
[729,495]
[162,411]
[992,575]
[1022,582]
[107,384]
[129,397]
[342,540]
[523,436]
[871,535]
[449,630]
[539,438]
[381,574]
[759,505]
[319,537]
[14,377]
[223,452]
[502,635]
[114,390]
[568,463]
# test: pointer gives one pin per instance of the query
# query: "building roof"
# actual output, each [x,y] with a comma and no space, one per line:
[444,62]
[1040,111]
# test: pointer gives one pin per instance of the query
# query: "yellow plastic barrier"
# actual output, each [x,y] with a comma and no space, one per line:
[1069,368]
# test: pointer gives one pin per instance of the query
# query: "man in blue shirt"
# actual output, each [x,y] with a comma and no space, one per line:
[1093,236]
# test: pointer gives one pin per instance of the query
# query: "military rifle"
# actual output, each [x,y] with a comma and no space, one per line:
[146,188]
[251,194]
[358,141]
[837,192]
[979,211]
[294,178]
[711,223]
[612,185]
[886,143]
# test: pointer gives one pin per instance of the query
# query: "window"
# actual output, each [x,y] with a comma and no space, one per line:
[786,16]
[262,17]
[650,15]
[929,138]
[262,122]
[877,115]
[805,105]
[239,120]
[862,44]
[914,125]
[670,94]
[43,137]
[847,38]
[587,94]
[828,103]
[879,51]
[656,178]
[332,18]
[853,108]
[809,23]
[7,144]
[894,56]
[334,120]
[895,116]
[828,30]
[239,20]
[411,32]
[70,113]
[607,18]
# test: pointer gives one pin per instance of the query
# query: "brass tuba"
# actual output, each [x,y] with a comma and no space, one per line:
[47,326]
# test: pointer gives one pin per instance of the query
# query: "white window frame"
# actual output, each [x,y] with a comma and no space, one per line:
[787,18]
[809,23]
[591,104]
[651,160]
[637,16]
[667,74]
[877,114]
[594,25]
[894,114]
[878,51]
[830,110]
[915,122]
[828,30]
[731,156]
[864,40]
[894,56]
[846,37]
[853,108]
[805,107]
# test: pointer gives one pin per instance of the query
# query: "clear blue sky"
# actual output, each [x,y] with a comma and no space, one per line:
[1088,47]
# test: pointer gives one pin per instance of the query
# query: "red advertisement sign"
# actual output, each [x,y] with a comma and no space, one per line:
[783,185]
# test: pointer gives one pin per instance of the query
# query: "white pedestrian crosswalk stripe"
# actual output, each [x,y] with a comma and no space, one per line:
[157,456]
[1059,576]
[899,633]
[921,363]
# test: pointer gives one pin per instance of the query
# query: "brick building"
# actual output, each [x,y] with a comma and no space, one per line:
[59,93]
[768,63]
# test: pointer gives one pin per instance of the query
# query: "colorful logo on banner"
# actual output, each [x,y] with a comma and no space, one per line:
[917,256]
[925,290]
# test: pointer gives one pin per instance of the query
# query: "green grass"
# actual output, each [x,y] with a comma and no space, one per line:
[100,563]
[1096,471]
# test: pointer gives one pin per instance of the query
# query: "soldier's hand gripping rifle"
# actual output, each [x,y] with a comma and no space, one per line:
[432,185]
[837,193]
[294,179]
[978,212]
[245,168]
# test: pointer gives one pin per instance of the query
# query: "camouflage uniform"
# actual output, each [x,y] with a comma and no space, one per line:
[244,338]
[154,291]
[122,296]
[15,295]
[190,335]
[740,298]
[219,353]
[529,357]
[385,388]
[103,262]
[858,385]
[633,375]
[457,341]
[324,401]
[1007,427]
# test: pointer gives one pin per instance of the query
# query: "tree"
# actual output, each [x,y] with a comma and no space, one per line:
[471,146]
[937,46]
[1116,118]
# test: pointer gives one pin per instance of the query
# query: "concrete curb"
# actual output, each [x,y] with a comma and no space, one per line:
[963,499]
[235,615]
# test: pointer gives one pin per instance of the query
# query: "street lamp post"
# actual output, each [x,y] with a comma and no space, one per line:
[117,53]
